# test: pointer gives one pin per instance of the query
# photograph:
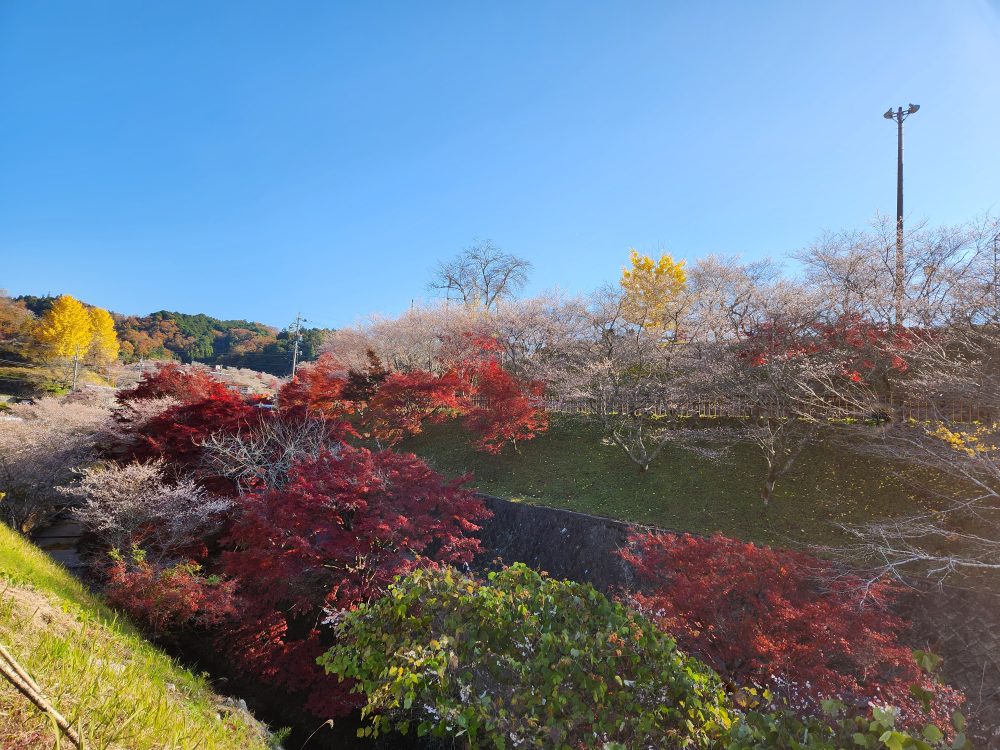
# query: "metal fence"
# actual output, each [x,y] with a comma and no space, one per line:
[736,408]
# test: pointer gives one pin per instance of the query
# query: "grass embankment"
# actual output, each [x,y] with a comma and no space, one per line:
[96,669]
[26,380]
[573,467]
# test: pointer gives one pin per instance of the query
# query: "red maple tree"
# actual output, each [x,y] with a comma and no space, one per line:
[866,351]
[782,620]
[344,526]
[507,409]
[169,599]
[406,400]
[186,385]
[177,433]
[204,407]
[317,391]
[390,407]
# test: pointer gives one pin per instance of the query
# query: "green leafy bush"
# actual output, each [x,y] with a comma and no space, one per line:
[523,661]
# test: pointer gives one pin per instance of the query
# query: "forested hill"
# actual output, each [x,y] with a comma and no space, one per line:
[174,335]
[236,343]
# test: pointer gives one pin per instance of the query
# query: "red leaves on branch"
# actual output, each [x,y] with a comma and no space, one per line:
[866,350]
[344,526]
[390,407]
[507,408]
[870,350]
[176,433]
[782,620]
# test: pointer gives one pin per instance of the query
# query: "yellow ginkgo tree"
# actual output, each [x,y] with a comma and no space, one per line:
[651,290]
[66,331]
[104,346]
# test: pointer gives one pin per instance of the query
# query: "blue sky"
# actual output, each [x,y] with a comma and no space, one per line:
[251,159]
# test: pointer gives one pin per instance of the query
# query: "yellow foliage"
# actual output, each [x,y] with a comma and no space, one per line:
[104,347]
[651,287]
[973,443]
[65,330]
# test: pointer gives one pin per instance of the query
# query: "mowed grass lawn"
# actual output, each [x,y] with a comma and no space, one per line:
[574,467]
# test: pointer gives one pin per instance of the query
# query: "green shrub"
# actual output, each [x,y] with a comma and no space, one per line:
[523,661]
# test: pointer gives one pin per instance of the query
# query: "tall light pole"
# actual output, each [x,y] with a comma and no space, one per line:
[899,115]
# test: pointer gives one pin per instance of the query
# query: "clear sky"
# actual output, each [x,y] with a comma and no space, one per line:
[253,159]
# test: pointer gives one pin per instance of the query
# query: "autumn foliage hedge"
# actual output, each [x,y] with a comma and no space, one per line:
[203,407]
[497,407]
[291,557]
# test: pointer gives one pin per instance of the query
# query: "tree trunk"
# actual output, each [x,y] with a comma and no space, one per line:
[767,492]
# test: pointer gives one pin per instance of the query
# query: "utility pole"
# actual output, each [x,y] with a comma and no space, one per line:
[296,329]
[899,115]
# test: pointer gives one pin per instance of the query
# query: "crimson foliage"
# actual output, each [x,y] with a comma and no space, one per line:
[317,391]
[173,381]
[406,400]
[389,407]
[506,409]
[335,536]
[866,352]
[176,434]
[782,620]
[205,407]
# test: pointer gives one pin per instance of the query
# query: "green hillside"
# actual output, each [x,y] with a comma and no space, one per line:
[235,343]
[573,467]
[98,671]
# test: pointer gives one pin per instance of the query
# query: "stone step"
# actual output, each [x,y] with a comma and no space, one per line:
[60,541]
[65,528]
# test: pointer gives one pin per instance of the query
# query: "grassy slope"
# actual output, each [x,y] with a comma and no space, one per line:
[94,666]
[31,379]
[571,467]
